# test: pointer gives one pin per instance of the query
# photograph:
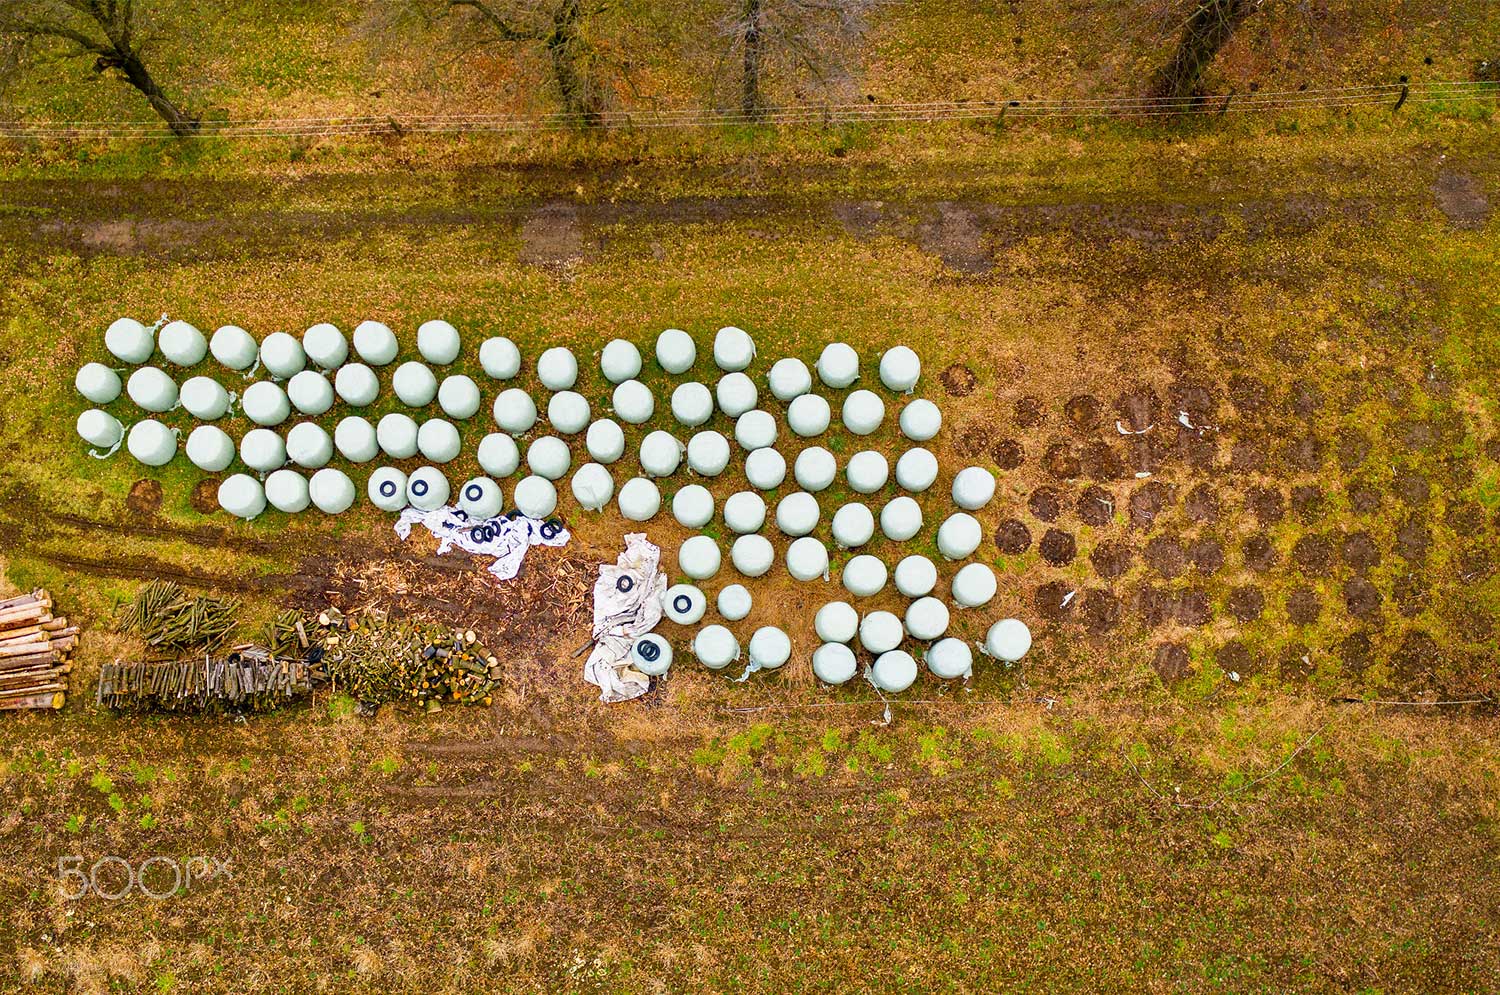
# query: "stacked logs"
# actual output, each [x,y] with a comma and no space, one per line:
[379,661]
[247,677]
[36,653]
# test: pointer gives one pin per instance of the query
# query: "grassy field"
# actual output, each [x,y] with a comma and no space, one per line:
[1319,290]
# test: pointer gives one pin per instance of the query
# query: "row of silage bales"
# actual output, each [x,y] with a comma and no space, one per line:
[733,351]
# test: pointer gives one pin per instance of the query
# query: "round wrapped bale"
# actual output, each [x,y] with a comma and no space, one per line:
[838,366]
[414,384]
[752,555]
[282,355]
[676,351]
[331,490]
[867,472]
[325,345]
[692,404]
[593,487]
[438,342]
[515,411]
[204,398]
[744,512]
[836,622]
[568,412]
[459,398]
[708,453]
[797,514]
[733,349]
[834,663]
[438,440]
[535,497]
[807,559]
[234,347]
[864,576]
[427,488]
[769,648]
[557,368]
[210,448]
[765,469]
[308,445]
[129,341]
[498,455]
[355,439]
[375,343]
[310,392]
[755,429]
[262,450]
[698,557]
[633,402]
[651,655]
[916,470]
[480,498]
[605,441]
[387,485]
[500,358]
[863,412]
[715,647]
[620,361]
[693,506]
[397,435]
[640,499]
[899,369]
[265,403]
[102,429]
[974,585]
[288,491]
[894,672]
[152,390]
[809,416]
[920,420]
[356,384]
[97,383]
[736,394]
[684,604]
[734,602]
[950,658]
[242,496]
[853,526]
[926,619]
[815,469]
[661,454]
[549,457]
[880,631]
[788,379]
[152,443]
[916,576]
[900,519]
[959,535]
[181,343]
[1008,639]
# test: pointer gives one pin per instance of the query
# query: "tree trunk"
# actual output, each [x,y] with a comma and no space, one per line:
[1212,24]
[129,63]
[562,49]
[751,104]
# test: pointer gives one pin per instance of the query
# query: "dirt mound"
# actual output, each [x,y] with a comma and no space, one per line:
[1012,536]
[1171,662]
[1008,454]
[1058,547]
[958,380]
[1096,506]
[145,496]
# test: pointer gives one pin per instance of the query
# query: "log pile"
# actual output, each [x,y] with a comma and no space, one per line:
[377,661]
[36,653]
[246,677]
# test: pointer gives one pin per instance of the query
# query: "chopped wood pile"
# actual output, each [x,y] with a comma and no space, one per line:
[246,677]
[36,653]
[377,660]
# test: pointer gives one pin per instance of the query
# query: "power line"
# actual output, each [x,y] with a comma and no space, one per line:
[794,115]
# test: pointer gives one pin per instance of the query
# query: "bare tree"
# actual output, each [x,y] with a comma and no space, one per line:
[810,36]
[104,29]
[559,27]
[1207,30]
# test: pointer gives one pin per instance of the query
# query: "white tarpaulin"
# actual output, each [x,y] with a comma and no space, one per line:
[506,539]
[627,604]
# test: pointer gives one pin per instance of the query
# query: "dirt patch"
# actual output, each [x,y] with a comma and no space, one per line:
[1008,454]
[1412,488]
[1247,394]
[1355,652]
[1199,448]
[1416,661]
[1247,456]
[1030,411]
[1415,435]
[1100,461]
[1193,399]
[1413,539]
[1303,399]
[974,440]
[1296,664]
[958,380]
[1055,600]
[1266,504]
[1246,603]
[1045,503]
[1360,552]
[1096,506]
[1147,502]
[1307,501]
[1082,412]
[144,499]
[1111,558]
[1193,607]
[1138,409]
[1353,448]
[1205,554]
[1171,662]
[1303,606]
[552,236]
[1313,555]
[1164,555]
[1461,199]
[1012,536]
[1411,594]
[1465,518]
[1234,658]
[1154,605]
[205,496]
[1475,562]
[1259,554]
[1362,599]
[1304,453]
[1058,547]
[1100,610]
[1061,461]
[955,235]
[1364,498]
[1201,504]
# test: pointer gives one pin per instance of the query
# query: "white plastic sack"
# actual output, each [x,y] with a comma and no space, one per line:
[627,605]
[506,539]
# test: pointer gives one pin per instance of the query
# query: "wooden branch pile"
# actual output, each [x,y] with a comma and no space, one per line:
[36,653]
[245,677]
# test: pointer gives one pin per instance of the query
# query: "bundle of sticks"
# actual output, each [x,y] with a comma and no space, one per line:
[244,677]
[36,653]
